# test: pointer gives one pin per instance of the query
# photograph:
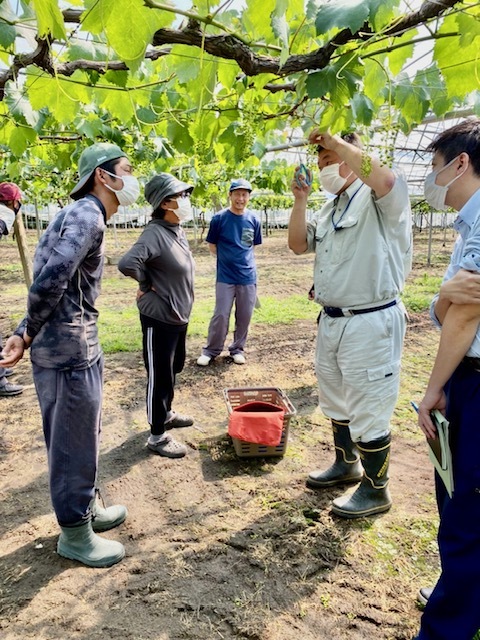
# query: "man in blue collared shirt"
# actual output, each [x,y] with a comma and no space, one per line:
[454,387]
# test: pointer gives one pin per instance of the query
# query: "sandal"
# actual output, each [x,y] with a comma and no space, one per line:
[177,421]
[168,447]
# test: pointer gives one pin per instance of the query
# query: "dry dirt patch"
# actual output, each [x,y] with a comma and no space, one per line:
[217,546]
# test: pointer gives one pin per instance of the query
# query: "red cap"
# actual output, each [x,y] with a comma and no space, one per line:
[9,191]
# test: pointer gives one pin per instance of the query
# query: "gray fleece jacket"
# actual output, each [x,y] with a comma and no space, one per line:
[162,264]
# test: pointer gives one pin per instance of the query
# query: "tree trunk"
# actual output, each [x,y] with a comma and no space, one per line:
[21,238]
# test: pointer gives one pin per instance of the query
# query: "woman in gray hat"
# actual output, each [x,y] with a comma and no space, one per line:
[162,264]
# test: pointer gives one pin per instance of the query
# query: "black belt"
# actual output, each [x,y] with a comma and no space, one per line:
[337,312]
[474,363]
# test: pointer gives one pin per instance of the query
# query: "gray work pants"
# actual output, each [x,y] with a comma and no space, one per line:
[3,380]
[71,402]
[357,363]
[244,296]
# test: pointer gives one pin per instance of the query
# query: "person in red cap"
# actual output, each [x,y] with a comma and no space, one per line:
[10,203]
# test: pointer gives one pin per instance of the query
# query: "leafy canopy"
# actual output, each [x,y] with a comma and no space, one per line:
[206,91]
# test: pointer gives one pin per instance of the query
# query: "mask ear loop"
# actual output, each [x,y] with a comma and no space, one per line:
[340,164]
[104,180]
[448,165]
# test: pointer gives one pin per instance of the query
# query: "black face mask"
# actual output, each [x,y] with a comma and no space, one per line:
[17,208]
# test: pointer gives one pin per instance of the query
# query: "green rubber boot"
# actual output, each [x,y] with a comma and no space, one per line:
[79,542]
[107,518]
[346,468]
[372,496]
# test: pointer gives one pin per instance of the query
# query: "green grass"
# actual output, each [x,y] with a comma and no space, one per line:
[11,269]
[119,326]
[419,292]
[120,329]
[281,302]
[272,311]
[405,546]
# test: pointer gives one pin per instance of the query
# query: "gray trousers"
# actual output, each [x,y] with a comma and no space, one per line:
[357,362]
[70,402]
[244,296]
[3,380]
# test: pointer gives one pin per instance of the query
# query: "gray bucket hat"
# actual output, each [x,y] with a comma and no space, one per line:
[163,185]
[93,157]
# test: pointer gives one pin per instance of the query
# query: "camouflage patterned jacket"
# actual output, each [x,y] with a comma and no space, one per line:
[67,269]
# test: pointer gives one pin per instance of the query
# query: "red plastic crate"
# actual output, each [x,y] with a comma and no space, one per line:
[236,397]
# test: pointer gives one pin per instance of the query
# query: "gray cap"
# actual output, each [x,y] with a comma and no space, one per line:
[240,183]
[93,157]
[162,186]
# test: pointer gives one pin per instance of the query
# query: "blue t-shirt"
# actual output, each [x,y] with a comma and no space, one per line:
[235,236]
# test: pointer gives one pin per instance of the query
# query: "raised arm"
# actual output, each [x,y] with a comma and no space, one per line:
[377,176]
[297,226]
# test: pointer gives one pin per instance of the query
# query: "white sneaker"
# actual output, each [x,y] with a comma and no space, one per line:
[203,361]
[424,595]
[238,358]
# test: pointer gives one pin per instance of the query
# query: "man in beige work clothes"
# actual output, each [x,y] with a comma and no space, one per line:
[362,245]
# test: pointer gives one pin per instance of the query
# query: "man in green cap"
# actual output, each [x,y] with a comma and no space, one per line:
[67,361]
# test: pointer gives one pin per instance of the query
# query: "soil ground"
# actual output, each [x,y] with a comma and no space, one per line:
[219,546]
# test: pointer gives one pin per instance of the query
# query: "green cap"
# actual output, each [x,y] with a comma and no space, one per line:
[93,157]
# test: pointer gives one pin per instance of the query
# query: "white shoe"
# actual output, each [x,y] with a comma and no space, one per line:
[424,595]
[203,361]
[238,358]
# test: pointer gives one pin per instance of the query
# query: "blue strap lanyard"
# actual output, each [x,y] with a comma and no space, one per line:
[336,225]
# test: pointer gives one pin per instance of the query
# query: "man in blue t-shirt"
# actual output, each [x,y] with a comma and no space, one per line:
[232,236]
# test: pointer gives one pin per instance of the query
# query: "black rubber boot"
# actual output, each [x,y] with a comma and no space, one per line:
[346,468]
[372,496]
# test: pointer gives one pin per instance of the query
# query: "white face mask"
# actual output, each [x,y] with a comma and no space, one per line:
[184,212]
[130,191]
[331,179]
[435,194]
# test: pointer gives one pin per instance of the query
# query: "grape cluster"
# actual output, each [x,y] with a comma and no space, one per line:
[201,149]
[366,165]
[246,131]
[390,132]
